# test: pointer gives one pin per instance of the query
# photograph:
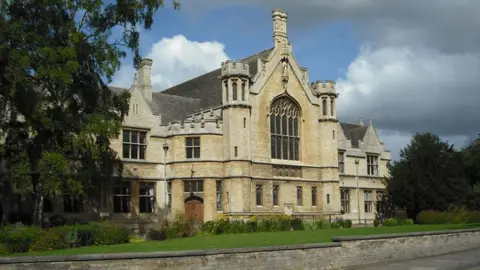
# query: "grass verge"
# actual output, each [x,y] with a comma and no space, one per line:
[247,240]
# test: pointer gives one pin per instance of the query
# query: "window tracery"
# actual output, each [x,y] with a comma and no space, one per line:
[284,129]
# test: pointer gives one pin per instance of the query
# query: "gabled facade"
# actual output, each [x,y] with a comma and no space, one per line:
[254,137]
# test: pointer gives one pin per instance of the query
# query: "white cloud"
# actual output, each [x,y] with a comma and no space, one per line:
[175,60]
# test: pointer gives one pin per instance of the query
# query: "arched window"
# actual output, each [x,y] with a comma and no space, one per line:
[284,125]
[243,90]
[332,109]
[324,106]
[226,89]
[234,90]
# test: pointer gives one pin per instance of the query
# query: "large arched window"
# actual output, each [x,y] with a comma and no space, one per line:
[284,125]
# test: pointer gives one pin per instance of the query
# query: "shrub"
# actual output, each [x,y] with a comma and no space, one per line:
[208,227]
[18,238]
[431,217]
[347,223]
[390,222]
[110,234]
[3,250]
[458,217]
[51,239]
[409,221]
[376,222]
[84,233]
[156,234]
[323,224]
[401,215]
[56,221]
[297,224]
[178,228]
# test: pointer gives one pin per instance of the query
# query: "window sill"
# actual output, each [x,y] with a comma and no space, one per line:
[285,162]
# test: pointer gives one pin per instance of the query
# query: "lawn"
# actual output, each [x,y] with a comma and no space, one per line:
[246,240]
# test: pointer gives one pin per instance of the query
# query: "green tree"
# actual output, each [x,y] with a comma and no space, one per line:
[54,55]
[471,155]
[471,158]
[428,176]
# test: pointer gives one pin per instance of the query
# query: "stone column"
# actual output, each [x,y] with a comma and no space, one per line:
[134,197]
[209,199]
[178,203]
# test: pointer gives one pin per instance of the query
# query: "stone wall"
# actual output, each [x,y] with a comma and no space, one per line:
[343,252]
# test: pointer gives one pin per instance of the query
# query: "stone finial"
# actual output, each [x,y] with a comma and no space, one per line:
[279,26]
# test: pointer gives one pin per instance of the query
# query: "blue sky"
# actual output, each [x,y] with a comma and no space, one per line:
[411,66]
[326,51]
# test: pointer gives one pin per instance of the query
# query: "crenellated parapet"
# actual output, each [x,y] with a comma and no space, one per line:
[327,87]
[235,78]
[201,126]
[235,69]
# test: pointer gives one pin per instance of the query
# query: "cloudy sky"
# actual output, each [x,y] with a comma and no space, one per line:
[411,66]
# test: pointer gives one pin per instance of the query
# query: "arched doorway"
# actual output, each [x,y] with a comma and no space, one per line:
[194,209]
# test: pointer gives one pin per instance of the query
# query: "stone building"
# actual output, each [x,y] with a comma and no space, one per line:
[253,137]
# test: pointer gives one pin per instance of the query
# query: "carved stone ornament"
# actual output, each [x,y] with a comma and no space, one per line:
[284,106]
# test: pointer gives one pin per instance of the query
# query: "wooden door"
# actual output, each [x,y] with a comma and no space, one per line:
[194,210]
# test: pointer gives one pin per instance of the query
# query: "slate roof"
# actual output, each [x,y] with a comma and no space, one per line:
[208,87]
[353,132]
[172,107]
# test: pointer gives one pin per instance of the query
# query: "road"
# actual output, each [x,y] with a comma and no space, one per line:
[466,260]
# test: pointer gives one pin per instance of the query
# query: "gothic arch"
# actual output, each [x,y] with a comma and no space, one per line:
[285,128]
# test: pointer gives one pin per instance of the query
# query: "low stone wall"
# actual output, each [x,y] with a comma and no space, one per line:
[343,252]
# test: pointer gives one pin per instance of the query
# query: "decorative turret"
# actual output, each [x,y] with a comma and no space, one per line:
[324,88]
[326,91]
[235,83]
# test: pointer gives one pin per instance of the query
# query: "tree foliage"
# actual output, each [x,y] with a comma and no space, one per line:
[429,176]
[471,155]
[61,115]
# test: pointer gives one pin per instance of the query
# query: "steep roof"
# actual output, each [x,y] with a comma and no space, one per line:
[354,132]
[172,107]
[208,87]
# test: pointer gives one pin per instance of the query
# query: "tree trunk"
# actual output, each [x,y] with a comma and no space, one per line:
[38,198]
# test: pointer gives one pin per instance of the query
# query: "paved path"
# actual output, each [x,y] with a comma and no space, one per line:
[467,260]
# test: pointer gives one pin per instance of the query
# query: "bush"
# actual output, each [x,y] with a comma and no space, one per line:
[18,238]
[401,215]
[376,222]
[347,223]
[84,233]
[179,228]
[390,222]
[457,217]
[51,239]
[3,250]
[110,234]
[56,221]
[297,224]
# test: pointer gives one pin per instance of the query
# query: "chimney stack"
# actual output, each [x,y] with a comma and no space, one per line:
[144,78]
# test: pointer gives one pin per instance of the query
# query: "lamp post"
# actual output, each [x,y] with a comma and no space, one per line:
[165,150]
[358,190]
